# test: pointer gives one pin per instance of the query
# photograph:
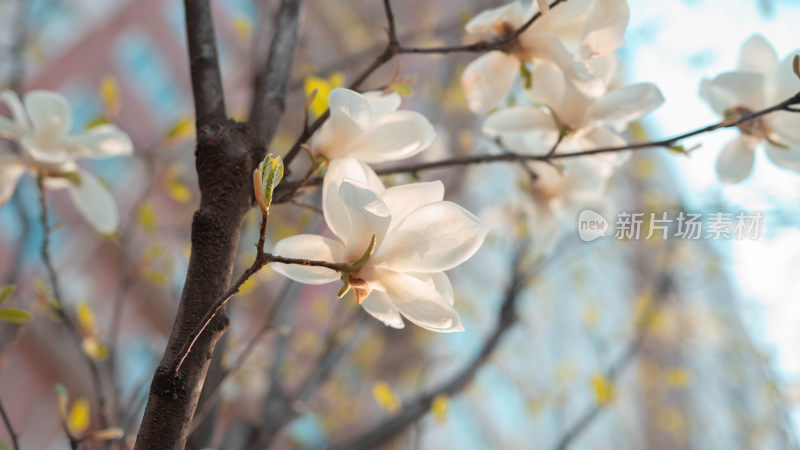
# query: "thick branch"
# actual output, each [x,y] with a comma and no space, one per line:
[416,408]
[269,97]
[209,103]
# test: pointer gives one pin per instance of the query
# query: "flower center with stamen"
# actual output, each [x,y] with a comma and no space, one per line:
[755,128]
[502,31]
[361,288]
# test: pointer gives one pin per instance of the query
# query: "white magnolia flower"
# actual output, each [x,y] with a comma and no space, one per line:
[758,82]
[417,235]
[580,36]
[586,122]
[368,127]
[41,127]
[558,195]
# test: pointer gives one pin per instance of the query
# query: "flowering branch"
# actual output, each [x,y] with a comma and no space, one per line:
[418,407]
[262,259]
[480,46]
[516,157]
[9,427]
[394,48]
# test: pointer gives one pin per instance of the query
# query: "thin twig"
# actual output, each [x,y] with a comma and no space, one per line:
[10,428]
[516,157]
[615,369]
[394,48]
[262,259]
[269,325]
[480,46]
[71,327]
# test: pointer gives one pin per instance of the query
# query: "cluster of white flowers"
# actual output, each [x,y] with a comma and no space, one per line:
[758,82]
[41,128]
[551,89]
[417,235]
[554,84]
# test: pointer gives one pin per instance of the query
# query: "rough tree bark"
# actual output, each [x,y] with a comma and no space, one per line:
[226,155]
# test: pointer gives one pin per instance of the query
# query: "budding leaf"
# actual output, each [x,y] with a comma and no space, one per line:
[266,179]
[439,407]
[526,75]
[402,89]
[796,65]
[79,417]
[14,315]
[6,292]
[385,397]
[108,434]
[603,390]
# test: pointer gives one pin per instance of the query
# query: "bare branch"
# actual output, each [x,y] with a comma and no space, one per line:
[269,325]
[13,434]
[69,324]
[418,407]
[615,369]
[269,97]
[209,102]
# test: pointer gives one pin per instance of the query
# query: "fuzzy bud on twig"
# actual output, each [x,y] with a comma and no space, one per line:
[266,179]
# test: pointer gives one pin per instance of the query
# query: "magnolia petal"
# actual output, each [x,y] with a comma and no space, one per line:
[94,200]
[394,136]
[604,31]
[519,119]
[11,169]
[523,129]
[440,281]
[10,129]
[600,137]
[602,67]
[548,86]
[735,162]
[757,55]
[332,206]
[419,301]
[731,89]
[626,104]
[786,126]
[18,126]
[369,217]
[49,112]
[351,104]
[433,238]
[486,23]
[333,139]
[99,142]
[487,80]
[308,246]
[783,83]
[402,200]
[378,305]
[787,158]
[382,103]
